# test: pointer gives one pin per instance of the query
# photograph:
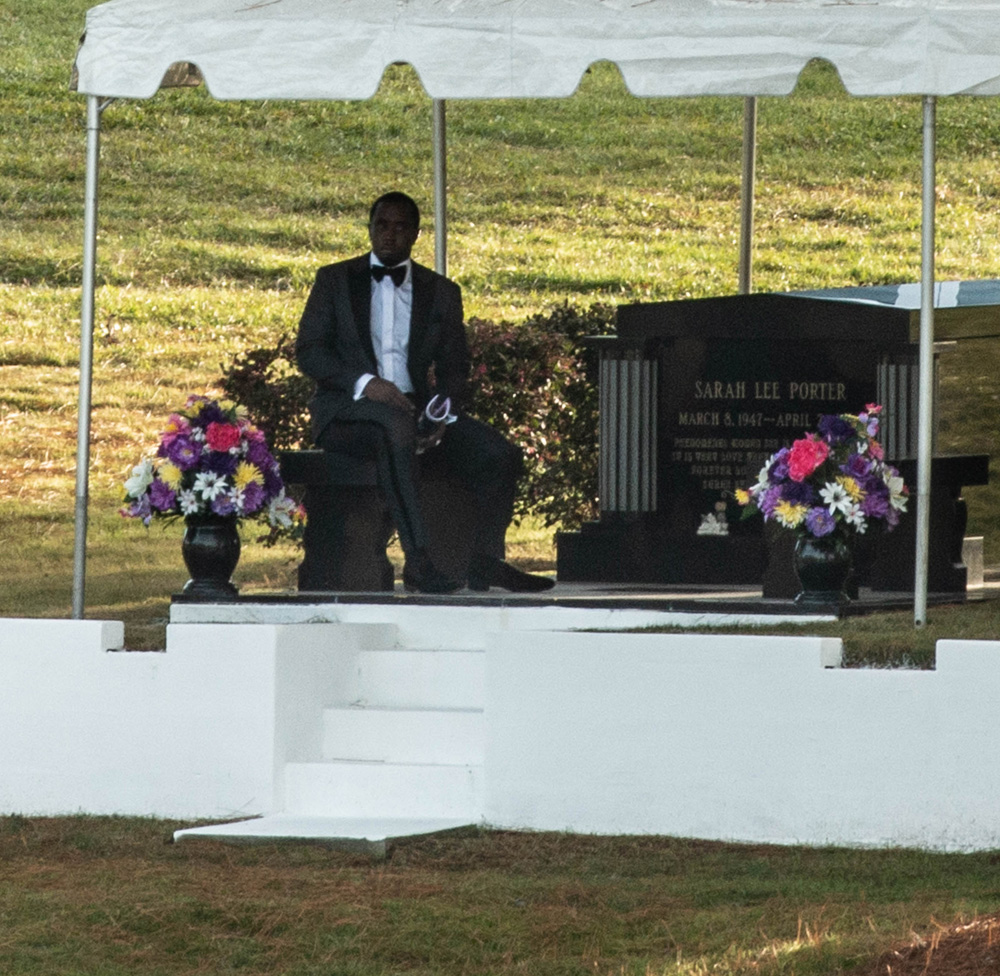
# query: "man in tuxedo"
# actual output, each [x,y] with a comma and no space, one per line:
[381,335]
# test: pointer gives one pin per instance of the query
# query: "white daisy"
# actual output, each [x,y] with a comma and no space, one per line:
[836,498]
[854,516]
[188,502]
[238,499]
[209,485]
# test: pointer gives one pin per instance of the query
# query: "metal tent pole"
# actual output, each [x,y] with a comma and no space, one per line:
[926,406]
[747,191]
[94,109]
[440,189]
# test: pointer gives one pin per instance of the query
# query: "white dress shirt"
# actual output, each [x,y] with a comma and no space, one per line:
[391,310]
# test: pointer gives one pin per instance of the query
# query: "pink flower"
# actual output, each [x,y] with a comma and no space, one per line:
[221,437]
[177,426]
[251,433]
[805,457]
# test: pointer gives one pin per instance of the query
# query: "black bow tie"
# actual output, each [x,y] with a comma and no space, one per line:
[398,273]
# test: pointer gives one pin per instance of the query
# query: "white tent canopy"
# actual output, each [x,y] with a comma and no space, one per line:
[339,49]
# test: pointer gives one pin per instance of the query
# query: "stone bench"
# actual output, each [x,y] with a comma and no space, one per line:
[349,526]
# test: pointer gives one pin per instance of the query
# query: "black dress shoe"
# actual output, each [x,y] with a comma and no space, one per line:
[485,572]
[420,575]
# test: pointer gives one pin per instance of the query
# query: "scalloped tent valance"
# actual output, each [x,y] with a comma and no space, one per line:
[339,49]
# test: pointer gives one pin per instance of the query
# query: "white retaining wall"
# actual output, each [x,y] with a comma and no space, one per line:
[201,731]
[747,737]
[705,735]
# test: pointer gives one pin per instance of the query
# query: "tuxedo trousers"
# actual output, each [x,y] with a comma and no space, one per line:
[475,454]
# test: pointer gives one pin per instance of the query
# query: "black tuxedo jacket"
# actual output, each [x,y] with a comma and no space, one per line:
[334,344]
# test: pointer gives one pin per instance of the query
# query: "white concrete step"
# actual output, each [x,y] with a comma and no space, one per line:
[384,790]
[453,736]
[417,678]
[372,835]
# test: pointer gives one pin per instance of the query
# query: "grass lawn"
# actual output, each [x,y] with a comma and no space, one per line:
[112,897]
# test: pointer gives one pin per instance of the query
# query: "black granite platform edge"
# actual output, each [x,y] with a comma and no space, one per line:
[751,605]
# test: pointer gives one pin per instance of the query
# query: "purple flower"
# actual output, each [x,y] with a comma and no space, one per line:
[834,429]
[876,504]
[223,505]
[779,466]
[211,413]
[161,496]
[857,466]
[253,497]
[820,522]
[220,462]
[769,500]
[139,509]
[272,480]
[184,452]
[870,418]
[800,492]
[259,455]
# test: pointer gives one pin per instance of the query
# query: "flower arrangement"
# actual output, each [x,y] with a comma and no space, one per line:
[211,461]
[833,482]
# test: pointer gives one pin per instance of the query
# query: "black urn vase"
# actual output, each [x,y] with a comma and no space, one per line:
[211,550]
[823,566]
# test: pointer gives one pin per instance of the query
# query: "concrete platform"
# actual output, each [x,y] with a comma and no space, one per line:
[364,835]
[567,605]
[703,605]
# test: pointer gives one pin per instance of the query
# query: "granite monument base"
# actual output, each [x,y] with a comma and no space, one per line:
[641,549]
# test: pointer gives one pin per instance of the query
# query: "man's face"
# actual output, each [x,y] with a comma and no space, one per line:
[392,233]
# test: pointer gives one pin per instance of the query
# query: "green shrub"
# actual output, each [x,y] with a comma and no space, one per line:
[536,382]
[268,383]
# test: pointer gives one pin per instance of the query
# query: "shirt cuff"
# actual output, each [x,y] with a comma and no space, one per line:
[360,384]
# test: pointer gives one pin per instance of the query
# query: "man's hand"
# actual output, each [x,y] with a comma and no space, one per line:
[432,438]
[382,391]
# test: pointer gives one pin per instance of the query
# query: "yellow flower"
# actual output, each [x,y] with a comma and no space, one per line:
[742,496]
[175,424]
[246,473]
[170,474]
[789,514]
[851,487]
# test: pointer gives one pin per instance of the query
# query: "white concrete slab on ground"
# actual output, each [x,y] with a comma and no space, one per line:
[336,831]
